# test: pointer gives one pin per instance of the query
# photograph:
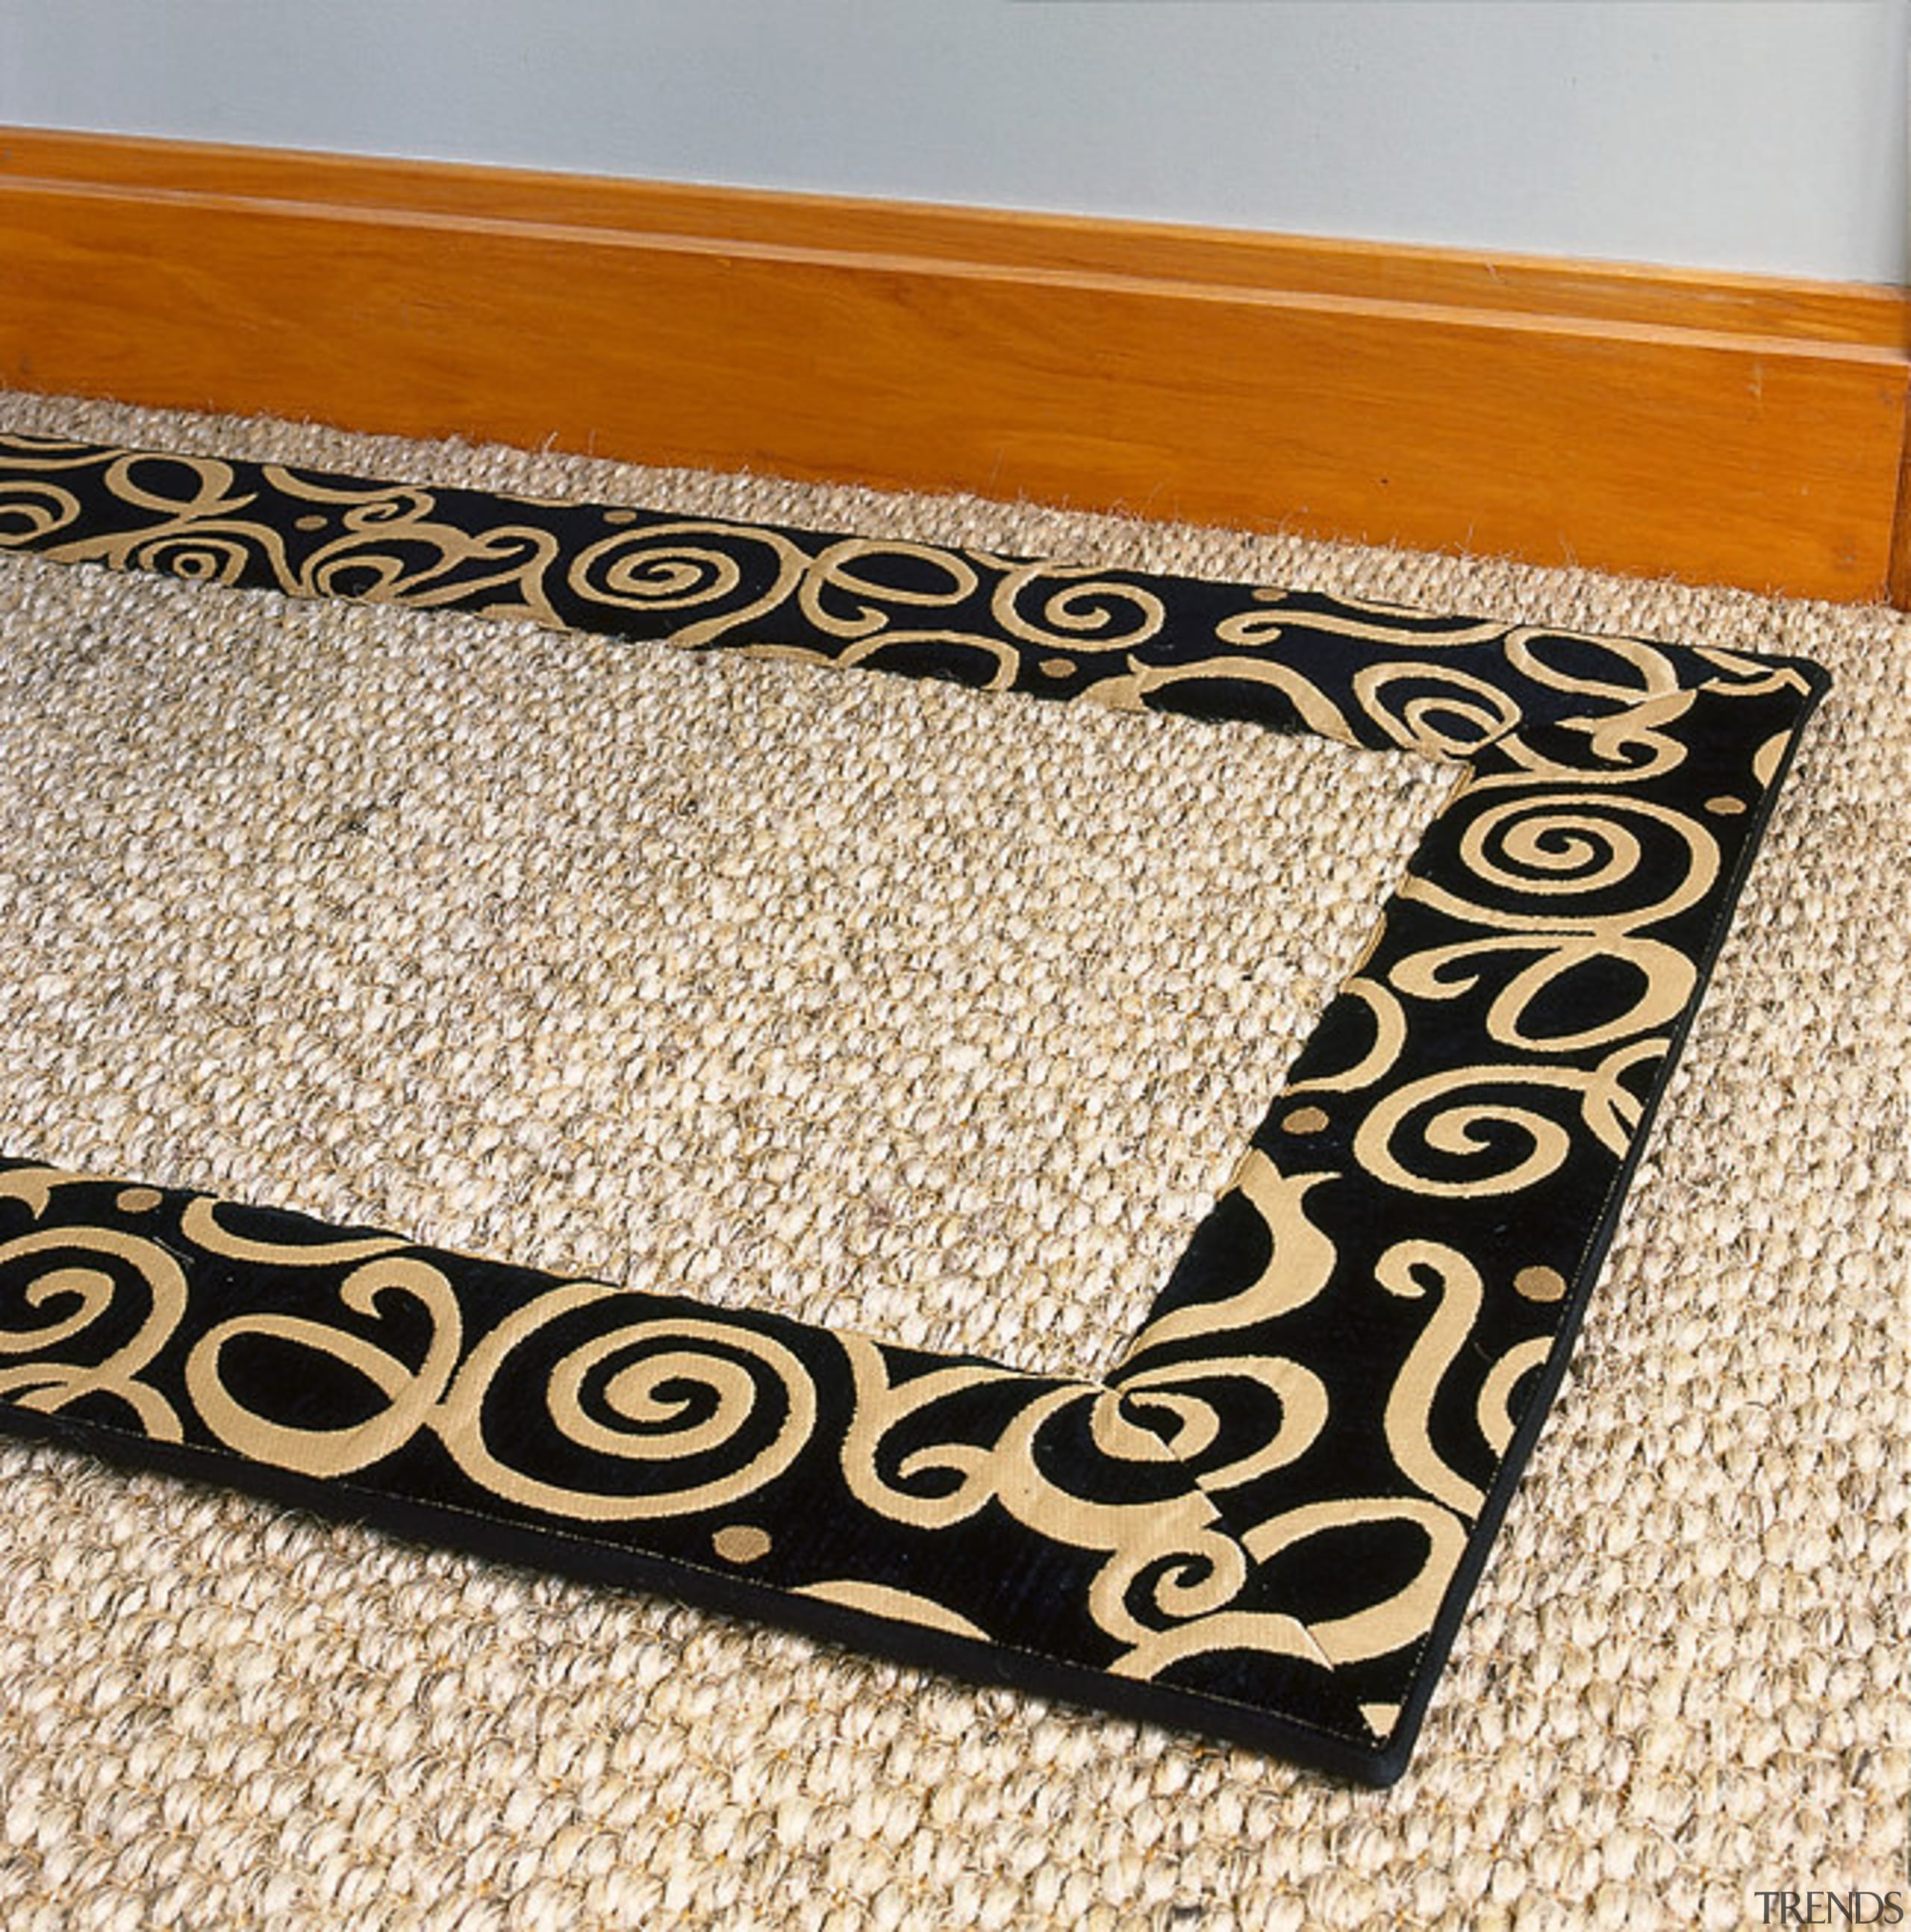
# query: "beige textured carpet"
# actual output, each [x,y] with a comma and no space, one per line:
[868,999]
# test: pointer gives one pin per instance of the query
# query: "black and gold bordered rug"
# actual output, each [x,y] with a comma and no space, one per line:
[1265,1521]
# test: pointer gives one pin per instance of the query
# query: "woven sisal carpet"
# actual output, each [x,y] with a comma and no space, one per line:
[1683,1681]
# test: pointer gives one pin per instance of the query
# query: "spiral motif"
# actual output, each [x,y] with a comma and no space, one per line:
[404,508]
[672,1396]
[1174,1585]
[1089,609]
[1500,1145]
[1549,847]
[682,567]
[1581,846]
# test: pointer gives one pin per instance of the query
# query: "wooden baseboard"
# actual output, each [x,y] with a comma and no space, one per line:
[1721,429]
[1897,583]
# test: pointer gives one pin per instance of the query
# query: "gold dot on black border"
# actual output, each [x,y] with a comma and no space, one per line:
[311,523]
[1725,806]
[620,516]
[1304,1121]
[741,1542]
[1541,1284]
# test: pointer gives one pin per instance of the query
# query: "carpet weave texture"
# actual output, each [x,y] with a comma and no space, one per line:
[359,856]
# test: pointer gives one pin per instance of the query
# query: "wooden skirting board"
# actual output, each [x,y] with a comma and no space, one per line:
[1719,428]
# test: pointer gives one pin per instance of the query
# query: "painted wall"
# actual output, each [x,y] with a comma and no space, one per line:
[1756,134]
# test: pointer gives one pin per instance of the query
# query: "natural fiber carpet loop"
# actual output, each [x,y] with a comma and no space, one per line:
[1683,1678]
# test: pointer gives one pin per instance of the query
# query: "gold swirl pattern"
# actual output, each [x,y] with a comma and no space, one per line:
[47,1386]
[672,569]
[35,513]
[869,599]
[1397,1621]
[1665,977]
[1316,711]
[1259,1522]
[408,1395]
[1077,606]
[1170,1399]
[1748,676]
[1496,1419]
[1556,845]
[1274,1633]
[1170,1545]
[1004,661]
[653,1427]
[1299,1262]
[360,564]
[1364,619]
[200,1224]
[1624,672]
[1478,1118]
[1446,712]
[1410,1401]
[1551,848]
[942,1482]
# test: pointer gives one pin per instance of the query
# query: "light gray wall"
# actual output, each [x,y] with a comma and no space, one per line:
[1756,134]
